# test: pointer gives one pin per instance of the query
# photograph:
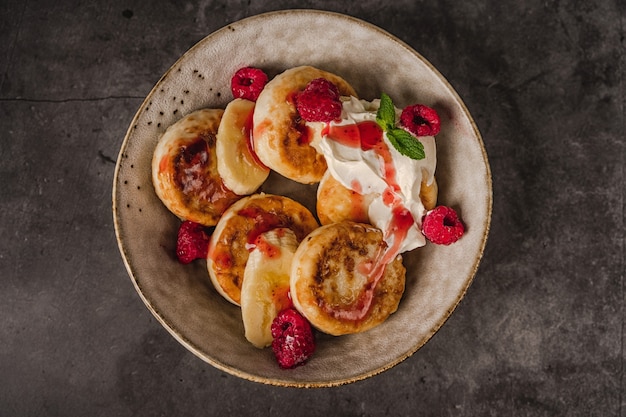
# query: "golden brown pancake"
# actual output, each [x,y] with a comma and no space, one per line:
[184,169]
[336,203]
[282,140]
[337,283]
[236,233]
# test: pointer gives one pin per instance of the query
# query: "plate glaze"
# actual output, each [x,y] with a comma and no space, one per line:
[182,298]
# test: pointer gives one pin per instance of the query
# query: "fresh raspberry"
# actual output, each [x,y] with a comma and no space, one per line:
[442,226]
[319,101]
[293,340]
[192,242]
[420,120]
[247,83]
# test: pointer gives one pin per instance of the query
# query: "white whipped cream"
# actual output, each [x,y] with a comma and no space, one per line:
[395,179]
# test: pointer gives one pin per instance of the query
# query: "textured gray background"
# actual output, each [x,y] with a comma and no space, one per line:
[540,332]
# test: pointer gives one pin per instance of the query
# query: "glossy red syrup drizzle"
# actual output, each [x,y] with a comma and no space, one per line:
[263,222]
[368,136]
[249,129]
[163,163]
[371,136]
[266,248]
[358,211]
[356,187]
[401,222]
[357,310]
[399,226]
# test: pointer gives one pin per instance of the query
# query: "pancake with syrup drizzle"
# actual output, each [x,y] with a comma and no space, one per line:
[184,169]
[338,283]
[282,140]
[336,203]
[236,233]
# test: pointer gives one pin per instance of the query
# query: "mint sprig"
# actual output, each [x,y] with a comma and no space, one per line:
[403,141]
[386,114]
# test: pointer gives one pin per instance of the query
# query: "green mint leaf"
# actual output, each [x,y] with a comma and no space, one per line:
[406,144]
[386,114]
[403,141]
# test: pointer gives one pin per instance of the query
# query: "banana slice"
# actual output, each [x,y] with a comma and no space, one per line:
[265,288]
[340,281]
[237,163]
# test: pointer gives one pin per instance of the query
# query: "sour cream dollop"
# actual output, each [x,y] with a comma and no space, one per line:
[360,156]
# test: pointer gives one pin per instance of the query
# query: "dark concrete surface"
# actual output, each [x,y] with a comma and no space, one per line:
[541,330]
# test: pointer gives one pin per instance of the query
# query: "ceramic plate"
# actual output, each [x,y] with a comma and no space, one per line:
[182,298]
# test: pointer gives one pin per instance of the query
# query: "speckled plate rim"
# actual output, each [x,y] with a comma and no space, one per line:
[286,381]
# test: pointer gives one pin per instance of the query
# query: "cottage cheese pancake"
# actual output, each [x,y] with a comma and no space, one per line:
[336,203]
[338,281]
[184,169]
[282,140]
[236,234]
